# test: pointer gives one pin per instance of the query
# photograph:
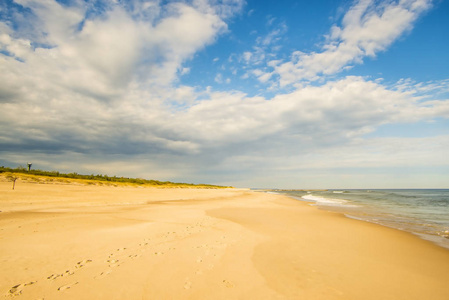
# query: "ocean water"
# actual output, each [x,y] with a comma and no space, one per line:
[424,212]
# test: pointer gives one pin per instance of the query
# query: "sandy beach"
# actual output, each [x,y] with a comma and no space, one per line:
[103,242]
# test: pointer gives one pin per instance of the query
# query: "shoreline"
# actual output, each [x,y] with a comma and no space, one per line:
[376,214]
[75,242]
[434,239]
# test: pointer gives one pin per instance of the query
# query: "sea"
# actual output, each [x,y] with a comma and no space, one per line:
[424,212]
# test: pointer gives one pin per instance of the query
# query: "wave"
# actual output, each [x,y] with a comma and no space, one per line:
[327,201]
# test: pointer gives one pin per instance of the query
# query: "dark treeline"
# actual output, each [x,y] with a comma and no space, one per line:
[99,177]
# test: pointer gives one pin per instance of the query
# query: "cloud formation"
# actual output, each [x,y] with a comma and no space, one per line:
[366,29]
[97,88]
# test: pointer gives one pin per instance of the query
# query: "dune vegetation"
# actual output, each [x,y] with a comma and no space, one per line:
[41,176]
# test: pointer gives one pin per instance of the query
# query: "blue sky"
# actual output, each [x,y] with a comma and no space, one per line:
[292,94]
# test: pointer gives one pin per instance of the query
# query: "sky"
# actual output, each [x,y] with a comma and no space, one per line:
[256,93]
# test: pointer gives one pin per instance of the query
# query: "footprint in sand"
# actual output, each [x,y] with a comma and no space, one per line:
[54,276]
[82,263]
[113,262]
[199,272]
[103,274]
[69,272]
[228,284]
[67,286]
[144,242]
[16,290]
[187,285]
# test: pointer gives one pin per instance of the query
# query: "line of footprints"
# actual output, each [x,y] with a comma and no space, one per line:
[17,289]
[115,259]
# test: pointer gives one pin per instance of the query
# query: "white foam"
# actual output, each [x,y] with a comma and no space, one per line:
[326,201]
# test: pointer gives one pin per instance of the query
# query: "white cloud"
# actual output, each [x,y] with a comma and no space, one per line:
[222,8]
[184,71]
[430,88]
[261,75]
[273,36]
[265,46]
[114,49]
[332,113]
[247,56]
[55,23]
[180,36]
[99,77]
[218,78]
[367,28]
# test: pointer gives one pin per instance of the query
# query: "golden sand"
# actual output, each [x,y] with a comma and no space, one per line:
[103,242]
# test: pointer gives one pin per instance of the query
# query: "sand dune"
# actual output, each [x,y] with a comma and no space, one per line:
[100,242]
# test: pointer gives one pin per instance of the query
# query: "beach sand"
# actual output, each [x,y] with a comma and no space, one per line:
[104,242]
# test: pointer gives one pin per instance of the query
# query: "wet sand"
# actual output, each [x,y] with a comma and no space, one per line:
[103,242]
